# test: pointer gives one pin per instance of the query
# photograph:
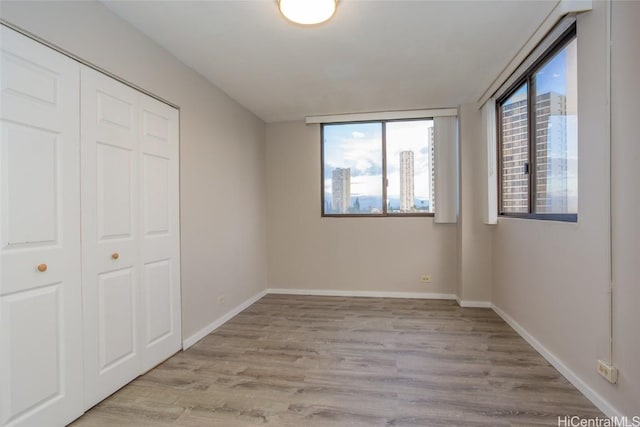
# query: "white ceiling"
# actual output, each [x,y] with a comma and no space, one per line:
[372,56]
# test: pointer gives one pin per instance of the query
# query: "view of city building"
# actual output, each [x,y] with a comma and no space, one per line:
[410,166]
[551,154]
[353,160]
[552,179]
[341,190]
[406,181]
[555,144]
[432,170]
[515,155]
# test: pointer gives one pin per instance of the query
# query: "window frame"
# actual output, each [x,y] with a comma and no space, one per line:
[528,77]
[385,180]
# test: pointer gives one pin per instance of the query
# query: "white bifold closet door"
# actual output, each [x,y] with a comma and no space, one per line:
[130,233]
[40,293]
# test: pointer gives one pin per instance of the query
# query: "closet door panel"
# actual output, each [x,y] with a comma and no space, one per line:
[110,229]
[156,195]
[40,291]
[31,163]
[116,317]
[158,304]
[33,377]
[160,246]
[114,192]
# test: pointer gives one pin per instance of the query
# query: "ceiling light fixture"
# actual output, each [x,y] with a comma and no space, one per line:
[307,12]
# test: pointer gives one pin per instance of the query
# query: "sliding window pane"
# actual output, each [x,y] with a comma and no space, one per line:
[352,169]
[556,133]
[410,166]
[515,156]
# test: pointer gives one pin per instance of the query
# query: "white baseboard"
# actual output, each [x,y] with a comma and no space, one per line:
[188,342]
[595,398]
[473,304]
[368,294]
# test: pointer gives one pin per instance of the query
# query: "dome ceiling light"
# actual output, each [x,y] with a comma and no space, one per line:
[307,12]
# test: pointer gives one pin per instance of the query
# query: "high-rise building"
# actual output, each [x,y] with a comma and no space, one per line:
[432,172]
[515,155]
[341,190]
[551,158]
[551,154]
[406,181]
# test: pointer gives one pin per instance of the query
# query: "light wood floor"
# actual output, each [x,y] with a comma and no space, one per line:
[333,361]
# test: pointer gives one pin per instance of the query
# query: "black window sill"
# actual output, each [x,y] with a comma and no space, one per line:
[398,215]
[543,217]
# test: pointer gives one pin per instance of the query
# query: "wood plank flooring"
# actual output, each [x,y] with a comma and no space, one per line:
[334,361]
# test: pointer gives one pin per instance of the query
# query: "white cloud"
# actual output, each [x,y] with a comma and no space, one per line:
[366,185]
[360,154]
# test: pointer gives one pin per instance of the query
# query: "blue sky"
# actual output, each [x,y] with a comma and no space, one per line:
[552,76]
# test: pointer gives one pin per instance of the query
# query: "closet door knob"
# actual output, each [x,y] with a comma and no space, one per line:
[42,268]
[115,255]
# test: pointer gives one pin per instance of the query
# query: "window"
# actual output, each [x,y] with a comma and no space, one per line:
[538,138]
[379,168]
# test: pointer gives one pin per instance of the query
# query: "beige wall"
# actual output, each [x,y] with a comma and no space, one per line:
[475,239]
[221,153]
[626,204]
[553,278]
[347,254]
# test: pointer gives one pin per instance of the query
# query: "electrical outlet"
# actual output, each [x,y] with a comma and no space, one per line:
[221,299]
[608,371]
[425,278]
